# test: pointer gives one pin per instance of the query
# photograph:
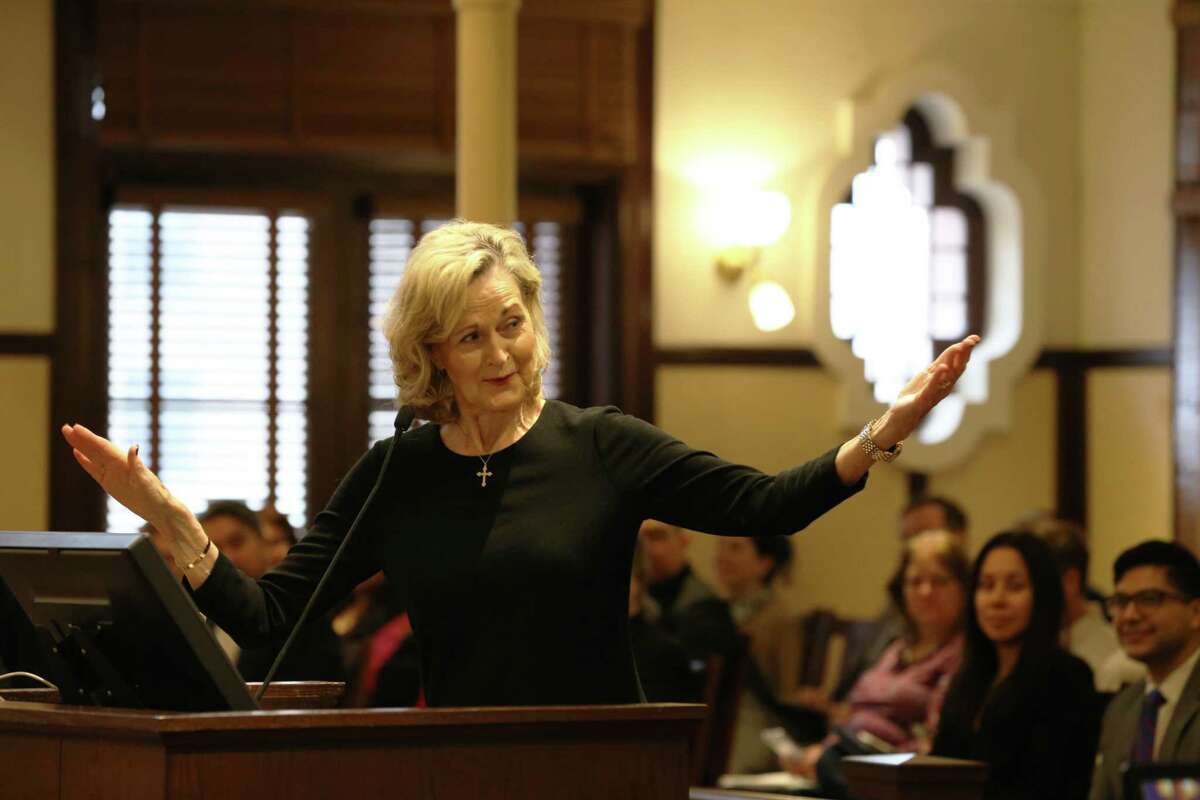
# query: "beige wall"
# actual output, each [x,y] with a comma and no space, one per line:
[26,255]
[1126,98]
[1084,89]
[1129,469]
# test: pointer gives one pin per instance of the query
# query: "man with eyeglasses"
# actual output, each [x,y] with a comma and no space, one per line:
[1156,610]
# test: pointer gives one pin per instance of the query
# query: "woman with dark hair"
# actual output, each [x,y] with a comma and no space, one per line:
[1020,702]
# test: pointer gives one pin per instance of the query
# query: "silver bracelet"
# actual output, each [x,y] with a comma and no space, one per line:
[874,451]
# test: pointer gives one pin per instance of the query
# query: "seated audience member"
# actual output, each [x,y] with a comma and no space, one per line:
[1156,608]
[278,535]
[1020,702]
[923,514]
[378,648]
[666,672]
[748,570]
[316,654]
[898,699]
[1086,631]
[687,607]
[931,513]
[669,577]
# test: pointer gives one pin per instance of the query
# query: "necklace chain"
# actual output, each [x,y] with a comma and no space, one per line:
[484,474]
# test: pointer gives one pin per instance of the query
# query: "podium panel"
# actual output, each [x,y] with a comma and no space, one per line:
[77,753]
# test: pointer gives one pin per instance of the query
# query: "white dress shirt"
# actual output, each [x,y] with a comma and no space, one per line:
[1093,639]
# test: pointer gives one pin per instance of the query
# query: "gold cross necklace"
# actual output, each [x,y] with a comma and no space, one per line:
[484,474]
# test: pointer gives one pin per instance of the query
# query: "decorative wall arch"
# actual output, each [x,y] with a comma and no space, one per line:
[987,170]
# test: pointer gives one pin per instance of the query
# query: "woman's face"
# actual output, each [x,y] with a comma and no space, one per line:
[489,354]
[933,598]
[1004,596]
[740,568]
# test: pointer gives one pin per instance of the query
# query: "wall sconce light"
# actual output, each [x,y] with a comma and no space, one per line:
[741,224]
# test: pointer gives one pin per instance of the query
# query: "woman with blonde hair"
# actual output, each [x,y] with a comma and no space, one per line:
[510,520]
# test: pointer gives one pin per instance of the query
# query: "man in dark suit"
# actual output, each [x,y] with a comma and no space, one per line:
[1156,609]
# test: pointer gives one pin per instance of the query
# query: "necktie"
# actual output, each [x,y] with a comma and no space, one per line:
[1143,746]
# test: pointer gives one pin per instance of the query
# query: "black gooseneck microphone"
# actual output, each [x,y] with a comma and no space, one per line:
[404,419]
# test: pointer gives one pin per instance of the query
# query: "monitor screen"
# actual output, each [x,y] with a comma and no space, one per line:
[1162,782]
[112,625]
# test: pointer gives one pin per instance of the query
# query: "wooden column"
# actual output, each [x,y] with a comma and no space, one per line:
[486,150]
[1187,275]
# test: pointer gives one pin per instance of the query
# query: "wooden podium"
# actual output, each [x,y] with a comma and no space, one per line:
[905,776]
[82,753]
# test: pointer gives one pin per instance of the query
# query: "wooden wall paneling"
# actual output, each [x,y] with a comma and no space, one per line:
[30,767]
[118,43]
[338,344]
[26,344]
[317,77]
[635,231]
[551,89]
[1186,431]
[614,93]
[80,366]
[1072,445]
[216,74]
[372,81]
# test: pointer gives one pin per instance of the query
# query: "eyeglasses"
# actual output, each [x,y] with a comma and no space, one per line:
[1145,600]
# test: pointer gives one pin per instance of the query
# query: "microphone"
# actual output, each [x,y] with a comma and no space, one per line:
[404,419]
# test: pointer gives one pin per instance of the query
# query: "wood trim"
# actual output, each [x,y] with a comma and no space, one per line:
[1186,387]
[26,344]
[80,362]
[1099,359]
[1072,446]
[1186,400]
[635,218]
[804,357]
[732,356]
[918,485]
[1186,14]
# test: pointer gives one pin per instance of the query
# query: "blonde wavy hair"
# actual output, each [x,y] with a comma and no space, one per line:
[432,297]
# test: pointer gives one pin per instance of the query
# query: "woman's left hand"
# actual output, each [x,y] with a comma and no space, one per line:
[928,388]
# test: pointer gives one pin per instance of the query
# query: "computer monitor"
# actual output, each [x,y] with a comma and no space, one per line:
[112,625]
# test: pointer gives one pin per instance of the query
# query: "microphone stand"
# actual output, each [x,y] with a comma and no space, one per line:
[404,419]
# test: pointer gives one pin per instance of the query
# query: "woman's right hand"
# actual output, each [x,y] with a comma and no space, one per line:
[123,475]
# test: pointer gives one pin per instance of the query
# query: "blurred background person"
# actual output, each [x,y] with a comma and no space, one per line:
[928,513]
[669,577]
[665,670]
[749,571]
[278,535]
[316,653]
[1086,631]
[898,699]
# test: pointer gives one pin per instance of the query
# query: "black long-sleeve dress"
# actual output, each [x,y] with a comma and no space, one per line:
[1039,745]
[518,590]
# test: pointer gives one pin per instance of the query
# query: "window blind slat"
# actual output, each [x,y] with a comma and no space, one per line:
[214,389]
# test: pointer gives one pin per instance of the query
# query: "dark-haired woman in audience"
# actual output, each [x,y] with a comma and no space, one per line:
[1020,702]
[897,700]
